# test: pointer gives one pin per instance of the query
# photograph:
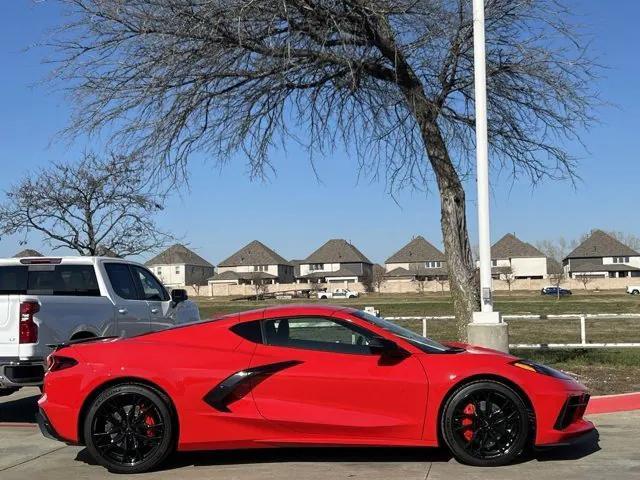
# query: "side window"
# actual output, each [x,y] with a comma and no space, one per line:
[316,333]
[151,288]
[249,331]
[69,280]
[13,280]
[121,280]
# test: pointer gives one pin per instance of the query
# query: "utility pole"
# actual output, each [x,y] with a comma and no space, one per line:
[487,328]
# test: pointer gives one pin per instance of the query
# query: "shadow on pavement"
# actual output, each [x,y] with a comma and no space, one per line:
[582,448]
[20,410]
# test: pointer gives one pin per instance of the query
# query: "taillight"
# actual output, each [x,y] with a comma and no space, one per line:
[28,328]
[56,363]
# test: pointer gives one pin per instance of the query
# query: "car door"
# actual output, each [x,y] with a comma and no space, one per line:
[161,311]
[329,383]
[132,311]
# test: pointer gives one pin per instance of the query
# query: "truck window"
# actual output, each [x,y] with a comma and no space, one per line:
[13,280]
[63,280]
[151,288]
[121,280]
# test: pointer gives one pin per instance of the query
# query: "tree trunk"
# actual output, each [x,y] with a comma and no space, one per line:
[463,280]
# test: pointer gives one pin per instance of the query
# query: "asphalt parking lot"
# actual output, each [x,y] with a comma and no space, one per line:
[614,452]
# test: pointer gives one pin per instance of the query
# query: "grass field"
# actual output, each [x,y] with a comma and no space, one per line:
[604,371]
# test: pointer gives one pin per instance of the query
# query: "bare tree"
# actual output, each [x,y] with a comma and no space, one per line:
[94,206]
[392,80]
[442,281]
[629,239]
[378,277]
[585,280]
[507,275]
[421,284]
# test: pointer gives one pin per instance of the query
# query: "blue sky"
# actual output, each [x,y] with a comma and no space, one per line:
[293,212]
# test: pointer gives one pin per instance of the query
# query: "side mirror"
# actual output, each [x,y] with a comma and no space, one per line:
[178,295]
[384,346]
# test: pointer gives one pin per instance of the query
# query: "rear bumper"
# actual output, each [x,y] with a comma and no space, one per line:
[45,426]
[16,372]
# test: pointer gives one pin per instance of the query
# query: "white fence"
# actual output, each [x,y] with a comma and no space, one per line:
[583,329]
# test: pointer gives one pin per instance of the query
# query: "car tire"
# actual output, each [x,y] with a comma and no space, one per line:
[129,428]
[635,292]
[485,423]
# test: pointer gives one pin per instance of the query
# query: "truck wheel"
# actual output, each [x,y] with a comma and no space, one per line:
[5,392]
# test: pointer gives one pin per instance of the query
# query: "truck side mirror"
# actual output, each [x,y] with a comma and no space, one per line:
[178,295]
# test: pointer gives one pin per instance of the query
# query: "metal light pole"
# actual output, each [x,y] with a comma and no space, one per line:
[487,328]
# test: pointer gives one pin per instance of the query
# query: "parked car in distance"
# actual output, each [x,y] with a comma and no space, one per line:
[47,301]
[302,375]
[633,289]
[338,293]
[555,291]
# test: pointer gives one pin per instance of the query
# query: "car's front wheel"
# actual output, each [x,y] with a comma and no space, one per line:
[485,423]
[129,429]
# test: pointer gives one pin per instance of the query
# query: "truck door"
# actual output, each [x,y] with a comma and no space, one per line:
[162,312]
[132,311]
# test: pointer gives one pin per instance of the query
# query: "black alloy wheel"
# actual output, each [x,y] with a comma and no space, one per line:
[486,423]
[129,429]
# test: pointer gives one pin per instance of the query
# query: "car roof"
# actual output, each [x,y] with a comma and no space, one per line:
[301,309]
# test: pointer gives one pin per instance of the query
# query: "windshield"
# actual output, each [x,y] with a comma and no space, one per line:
[423,343]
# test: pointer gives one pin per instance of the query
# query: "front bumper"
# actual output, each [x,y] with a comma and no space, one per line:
[15,372]
[564,421]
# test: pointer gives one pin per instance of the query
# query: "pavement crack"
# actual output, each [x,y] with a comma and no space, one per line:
[428,471]
[32,459]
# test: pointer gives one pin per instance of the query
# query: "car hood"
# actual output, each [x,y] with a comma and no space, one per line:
[477,350]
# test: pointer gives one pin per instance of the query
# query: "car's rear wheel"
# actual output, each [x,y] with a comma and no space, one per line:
[129,429]
[485,423]
[635,292]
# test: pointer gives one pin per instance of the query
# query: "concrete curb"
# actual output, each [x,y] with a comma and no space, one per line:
[623,402]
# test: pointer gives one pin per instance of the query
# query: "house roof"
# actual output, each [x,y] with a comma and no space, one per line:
[337,250]
[597,267]
[511,246]
[178,254]
[417,272]
[254,253]
[231,275]
[417,250]
[341,272]
[601,244]
[28,253]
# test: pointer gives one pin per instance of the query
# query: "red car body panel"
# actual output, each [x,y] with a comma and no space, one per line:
[319,397]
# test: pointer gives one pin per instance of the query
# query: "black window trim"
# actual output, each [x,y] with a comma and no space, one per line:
[55,293]
[140,288]
[133,280]
[339,321]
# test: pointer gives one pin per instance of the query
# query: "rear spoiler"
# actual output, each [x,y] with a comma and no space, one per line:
[60,346]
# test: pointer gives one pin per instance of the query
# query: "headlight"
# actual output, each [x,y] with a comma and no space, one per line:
[539,368]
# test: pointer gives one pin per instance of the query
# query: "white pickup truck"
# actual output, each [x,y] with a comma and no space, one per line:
[338,293]
[47,301]
[633,289]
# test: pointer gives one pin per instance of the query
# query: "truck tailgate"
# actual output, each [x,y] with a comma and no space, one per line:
[8,326]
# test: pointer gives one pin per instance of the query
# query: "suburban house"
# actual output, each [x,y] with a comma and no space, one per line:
[28,253]
[336,261]
[178,266]
[252,264]
[513,258]
[417,260]
[601,255]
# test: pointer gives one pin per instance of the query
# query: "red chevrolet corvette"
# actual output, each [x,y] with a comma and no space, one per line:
[301,375]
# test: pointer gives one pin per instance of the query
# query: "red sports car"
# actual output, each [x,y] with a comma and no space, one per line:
[301,375]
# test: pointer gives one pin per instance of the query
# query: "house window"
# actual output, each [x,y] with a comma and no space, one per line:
[159,270]
[178,270]
[433,264]
[260,268]
[620,259]
[316,266]
[494,263]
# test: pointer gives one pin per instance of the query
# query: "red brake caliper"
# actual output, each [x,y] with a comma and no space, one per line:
[149,422]
[469,411]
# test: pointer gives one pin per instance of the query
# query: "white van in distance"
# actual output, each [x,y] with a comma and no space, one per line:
[47,301]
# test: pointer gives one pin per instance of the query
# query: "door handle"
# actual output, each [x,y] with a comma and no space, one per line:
[122,311]
[154,310]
